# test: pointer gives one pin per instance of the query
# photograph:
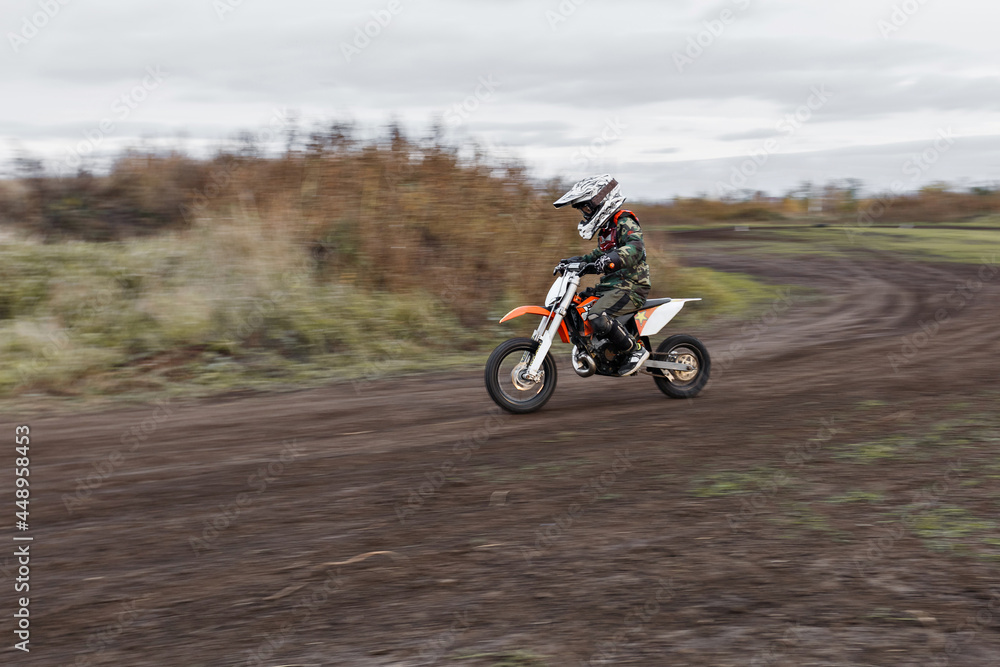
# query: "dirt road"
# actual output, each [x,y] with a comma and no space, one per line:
[797,513]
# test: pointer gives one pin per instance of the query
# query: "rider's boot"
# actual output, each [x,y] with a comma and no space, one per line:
[635,361]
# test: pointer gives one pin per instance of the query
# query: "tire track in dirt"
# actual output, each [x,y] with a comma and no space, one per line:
[869,306]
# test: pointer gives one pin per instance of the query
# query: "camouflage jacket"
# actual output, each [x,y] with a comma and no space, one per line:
[625,236]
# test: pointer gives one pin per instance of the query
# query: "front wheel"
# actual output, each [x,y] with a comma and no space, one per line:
[686,350]
[507,380]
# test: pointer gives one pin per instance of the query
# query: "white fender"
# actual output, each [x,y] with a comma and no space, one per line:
[652,320]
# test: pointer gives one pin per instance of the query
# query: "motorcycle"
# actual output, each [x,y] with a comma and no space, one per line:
[521,372]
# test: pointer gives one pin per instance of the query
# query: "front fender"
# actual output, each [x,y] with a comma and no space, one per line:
[526,310]
[537,310]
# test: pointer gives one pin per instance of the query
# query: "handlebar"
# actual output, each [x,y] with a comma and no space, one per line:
[585,270]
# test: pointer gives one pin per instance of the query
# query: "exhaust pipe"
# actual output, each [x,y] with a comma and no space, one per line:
[583,364]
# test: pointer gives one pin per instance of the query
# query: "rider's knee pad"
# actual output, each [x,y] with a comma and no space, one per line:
[602,324]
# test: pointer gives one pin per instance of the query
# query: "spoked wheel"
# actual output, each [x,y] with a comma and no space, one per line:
[507,378]
[688,350]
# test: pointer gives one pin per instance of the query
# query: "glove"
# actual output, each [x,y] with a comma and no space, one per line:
[610,263]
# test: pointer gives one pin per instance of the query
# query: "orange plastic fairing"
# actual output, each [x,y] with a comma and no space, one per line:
[581,307]
[526,310]
[537,310]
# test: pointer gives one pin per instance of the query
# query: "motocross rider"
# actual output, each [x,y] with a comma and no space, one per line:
[620,256]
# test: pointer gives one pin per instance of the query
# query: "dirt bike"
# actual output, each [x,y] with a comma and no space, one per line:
[521,372]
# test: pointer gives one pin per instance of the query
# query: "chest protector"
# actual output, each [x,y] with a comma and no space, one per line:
[608,238]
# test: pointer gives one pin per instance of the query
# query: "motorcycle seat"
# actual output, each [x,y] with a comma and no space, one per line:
[650,303]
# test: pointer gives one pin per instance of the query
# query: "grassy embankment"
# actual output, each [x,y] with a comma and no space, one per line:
[974,243]
[340,261]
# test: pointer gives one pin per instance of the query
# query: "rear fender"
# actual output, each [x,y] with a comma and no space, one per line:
[537,310]
[652,320]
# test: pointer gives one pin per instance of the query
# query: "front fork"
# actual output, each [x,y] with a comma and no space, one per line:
[549,327]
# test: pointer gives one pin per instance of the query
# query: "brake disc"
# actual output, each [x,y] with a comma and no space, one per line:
[521,380]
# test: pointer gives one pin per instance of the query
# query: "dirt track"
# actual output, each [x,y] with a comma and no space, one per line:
[640,566]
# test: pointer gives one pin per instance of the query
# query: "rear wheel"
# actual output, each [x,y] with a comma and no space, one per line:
[688,350]
[507,380]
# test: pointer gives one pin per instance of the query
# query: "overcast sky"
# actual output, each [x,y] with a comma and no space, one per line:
[671,97]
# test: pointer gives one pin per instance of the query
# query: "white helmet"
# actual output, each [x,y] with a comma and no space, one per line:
[598,198]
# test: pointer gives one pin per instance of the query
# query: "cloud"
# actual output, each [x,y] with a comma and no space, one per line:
[761,133]
[558,88]
[878,166]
